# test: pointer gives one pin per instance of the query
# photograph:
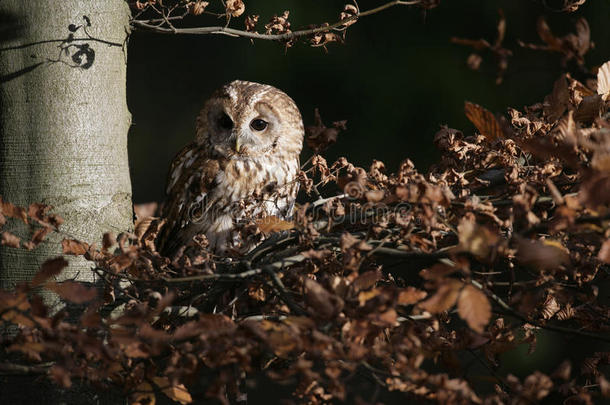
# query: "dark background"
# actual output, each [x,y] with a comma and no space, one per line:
[395,80]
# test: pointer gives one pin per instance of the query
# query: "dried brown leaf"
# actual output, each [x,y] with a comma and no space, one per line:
[74,247]
[13,211]
[108,241]
[272,224]
[73,291]
[8,239]
[478,44]
[474,307]
[604,386]
[235,7]
[563,371]
[374,196]
[595,190]
[537,386]
[604,252]
[145,210]
[589,108]
[556,103]
[572,5]
[317,254]
[483,120]
[410,296]
[32,350]
[197,7]
[143,395]
[61,376]
[437,271]
[120,262]
[365,296]
[251,22]
[474,61]
[324,304]
[39,235]
[177,392]
[550,307]
[542,255]
[444,298]
[476,239]
[366,280]
[38,211]
[48,269]
[603,81]
[319,137]
[545,34]
[501,28]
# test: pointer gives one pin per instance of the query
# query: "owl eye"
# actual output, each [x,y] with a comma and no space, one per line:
[258,124]
[225,122]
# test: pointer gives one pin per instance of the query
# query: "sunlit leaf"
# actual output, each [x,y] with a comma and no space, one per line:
[444,298]
[603,81]
[483,120]
[474,307]
[177,393]
[272,224]
[143,395]
[74,247]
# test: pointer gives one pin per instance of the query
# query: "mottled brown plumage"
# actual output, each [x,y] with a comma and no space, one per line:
[241,166]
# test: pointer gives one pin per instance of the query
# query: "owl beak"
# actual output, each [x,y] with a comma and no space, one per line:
[237,145]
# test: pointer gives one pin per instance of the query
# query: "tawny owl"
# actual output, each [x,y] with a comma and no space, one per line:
[242,165]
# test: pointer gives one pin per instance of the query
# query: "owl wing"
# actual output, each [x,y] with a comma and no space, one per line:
[191,178]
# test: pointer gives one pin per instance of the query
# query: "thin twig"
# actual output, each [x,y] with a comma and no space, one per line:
[236,276]
[232,32]
[523,318]
[21,369]
[281,290]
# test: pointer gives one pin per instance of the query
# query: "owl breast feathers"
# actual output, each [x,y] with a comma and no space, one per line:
[242,165]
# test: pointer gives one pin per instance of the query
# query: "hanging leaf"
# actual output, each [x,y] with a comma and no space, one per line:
[235,7]
[483,120]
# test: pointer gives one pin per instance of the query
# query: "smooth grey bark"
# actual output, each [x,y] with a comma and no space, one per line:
[63,142]
[64,123]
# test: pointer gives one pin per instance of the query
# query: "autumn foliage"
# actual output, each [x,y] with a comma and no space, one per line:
[383,284]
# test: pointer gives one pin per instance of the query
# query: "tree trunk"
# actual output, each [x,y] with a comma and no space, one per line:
[64,122]
[63,142]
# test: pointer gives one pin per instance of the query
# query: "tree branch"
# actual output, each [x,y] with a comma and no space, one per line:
[232,32]
[20,369]
[516,314]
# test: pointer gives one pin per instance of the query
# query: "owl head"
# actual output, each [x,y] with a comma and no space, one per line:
[243,120]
